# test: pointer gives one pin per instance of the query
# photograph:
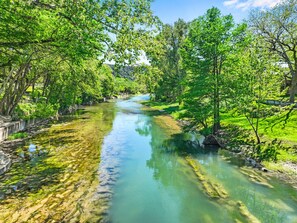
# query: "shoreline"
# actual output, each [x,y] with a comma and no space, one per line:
[287,174]
[8,146]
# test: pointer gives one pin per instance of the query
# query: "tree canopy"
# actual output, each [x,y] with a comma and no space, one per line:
[57,48]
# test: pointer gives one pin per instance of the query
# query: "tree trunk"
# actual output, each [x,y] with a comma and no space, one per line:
[216,116]
[15,90]
[255,128]
[216,112]
[293,89]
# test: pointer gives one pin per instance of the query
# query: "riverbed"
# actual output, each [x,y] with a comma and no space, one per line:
[116,162]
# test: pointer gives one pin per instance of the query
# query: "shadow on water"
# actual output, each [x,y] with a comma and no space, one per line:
[186,143]
[254,196]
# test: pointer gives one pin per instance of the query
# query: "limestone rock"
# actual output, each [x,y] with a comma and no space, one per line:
[5,162]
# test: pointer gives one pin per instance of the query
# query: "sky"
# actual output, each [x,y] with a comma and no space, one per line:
[170,10]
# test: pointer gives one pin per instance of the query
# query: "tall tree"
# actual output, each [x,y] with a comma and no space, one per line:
[278,27]
[211,39]
[170,86]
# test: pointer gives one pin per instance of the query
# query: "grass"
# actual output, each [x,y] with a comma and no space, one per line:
[170,108]
[18,135]
[286,133]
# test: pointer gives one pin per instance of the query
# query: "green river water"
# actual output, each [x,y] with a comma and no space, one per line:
[116,163]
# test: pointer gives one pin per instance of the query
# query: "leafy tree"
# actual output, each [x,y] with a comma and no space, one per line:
[41,39]
[168,62]
[278,28]
[149,76]
[253,80]
[107,82]
[211,39]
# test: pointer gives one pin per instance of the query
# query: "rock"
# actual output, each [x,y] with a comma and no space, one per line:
[5,162]
[264,169]
[5,119]
[212,140]
[251,162]
[13,143]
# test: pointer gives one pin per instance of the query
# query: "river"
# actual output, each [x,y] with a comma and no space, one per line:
[116,162]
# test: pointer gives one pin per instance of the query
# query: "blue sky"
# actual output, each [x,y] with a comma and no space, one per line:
[170,10]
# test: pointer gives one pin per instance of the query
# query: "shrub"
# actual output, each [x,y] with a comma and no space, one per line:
[267,151]
[18,135]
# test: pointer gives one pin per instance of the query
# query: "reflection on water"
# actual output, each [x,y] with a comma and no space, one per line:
[115,163]
[157,184]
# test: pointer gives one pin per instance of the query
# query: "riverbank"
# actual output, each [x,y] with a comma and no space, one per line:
[15,137]
[16,133]
[237,135]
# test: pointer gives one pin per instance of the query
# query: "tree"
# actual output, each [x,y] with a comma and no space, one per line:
[253,80]
[149,76]
[211,39]
[168,62]
[39,39]
[278,27]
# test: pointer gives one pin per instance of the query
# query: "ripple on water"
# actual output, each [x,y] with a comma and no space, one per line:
[109,168]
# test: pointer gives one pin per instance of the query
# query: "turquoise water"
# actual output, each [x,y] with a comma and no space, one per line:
[117,163]
[154,184]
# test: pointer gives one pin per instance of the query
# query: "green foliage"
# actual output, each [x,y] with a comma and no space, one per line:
[44,110]
[28,111]
[18,135]
[207,50]
[149,77]
[108,82]
[252,81]
[125,86]
[168,62]
[268,151]
[55,49]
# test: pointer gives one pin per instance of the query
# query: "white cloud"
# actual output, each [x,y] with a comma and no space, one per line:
[230,2]
[246,4]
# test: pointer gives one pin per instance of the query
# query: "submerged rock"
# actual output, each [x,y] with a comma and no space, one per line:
[212,189]
[243,210]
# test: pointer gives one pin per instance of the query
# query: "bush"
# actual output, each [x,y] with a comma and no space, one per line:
[18,135]
[44,110]
[268,151]
[35,110]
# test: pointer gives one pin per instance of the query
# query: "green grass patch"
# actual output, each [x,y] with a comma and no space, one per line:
[285,132]
[18,135]
[170,108]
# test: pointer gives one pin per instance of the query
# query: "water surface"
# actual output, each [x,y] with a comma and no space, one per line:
[117,163]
